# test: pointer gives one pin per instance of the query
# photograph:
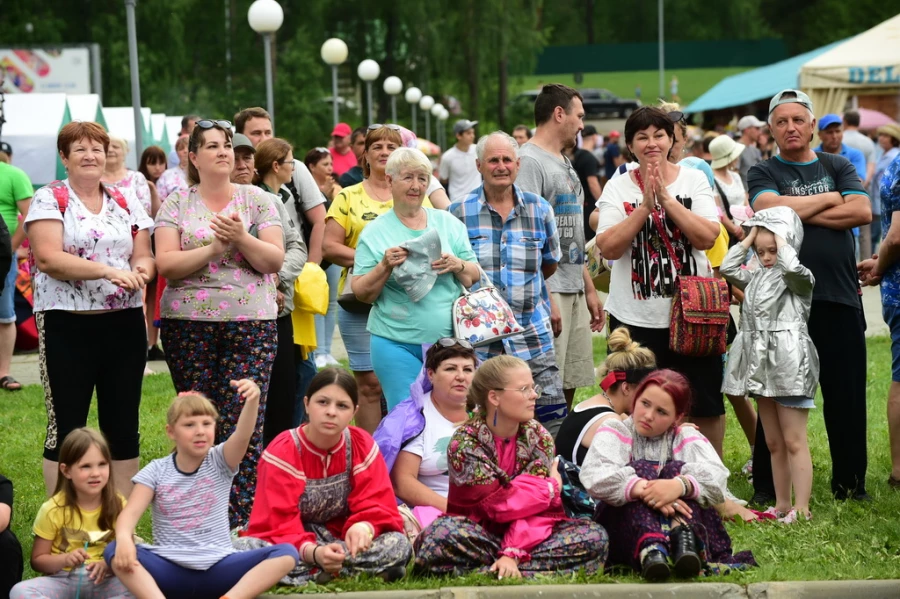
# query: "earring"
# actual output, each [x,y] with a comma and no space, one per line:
[495,417]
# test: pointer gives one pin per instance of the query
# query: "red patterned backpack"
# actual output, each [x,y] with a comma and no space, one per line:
[700,309]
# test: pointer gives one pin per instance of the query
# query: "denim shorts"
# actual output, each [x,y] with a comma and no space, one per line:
[891,315]
[7,307]
[356,339]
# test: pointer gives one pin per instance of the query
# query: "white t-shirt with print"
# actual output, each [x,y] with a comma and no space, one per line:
[458,168]
[735,193]
[431,446]
[105,238]
[640,288]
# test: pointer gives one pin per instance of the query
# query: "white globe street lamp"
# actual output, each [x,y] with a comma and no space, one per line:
[392,87]
[445,114]
[334,53]
[413,95]
[368,70]
[436,111]
[265,17]
[425,104]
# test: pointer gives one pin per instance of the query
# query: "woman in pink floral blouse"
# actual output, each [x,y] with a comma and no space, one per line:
[91,253]
[219,246]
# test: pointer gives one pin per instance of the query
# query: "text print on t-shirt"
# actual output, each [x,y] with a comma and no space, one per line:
[651,265]
[796,187]
[569,215]
[187,508]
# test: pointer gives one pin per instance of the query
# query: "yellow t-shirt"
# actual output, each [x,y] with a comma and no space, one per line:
[51,524]
[717,252]
[353,209]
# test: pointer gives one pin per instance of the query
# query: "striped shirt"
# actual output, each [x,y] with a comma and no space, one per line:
[190,510]
[511,253]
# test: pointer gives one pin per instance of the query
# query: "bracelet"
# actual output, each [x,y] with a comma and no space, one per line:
[683,486]
[315,561]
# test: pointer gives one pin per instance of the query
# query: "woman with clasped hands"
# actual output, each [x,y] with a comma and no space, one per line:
[657,206]
[219,246]
[91,251]
[400,324]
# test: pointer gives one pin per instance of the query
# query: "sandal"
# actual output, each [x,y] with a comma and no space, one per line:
[10,384]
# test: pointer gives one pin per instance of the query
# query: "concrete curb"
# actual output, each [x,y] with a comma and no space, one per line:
[871,589]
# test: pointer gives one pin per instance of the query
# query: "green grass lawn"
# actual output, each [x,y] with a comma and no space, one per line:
[692,83]
[845,540]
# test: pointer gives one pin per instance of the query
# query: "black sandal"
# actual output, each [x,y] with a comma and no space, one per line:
[7,383]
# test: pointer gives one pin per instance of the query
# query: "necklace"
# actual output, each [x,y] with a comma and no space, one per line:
[408,221]
[373,192]
[608,400]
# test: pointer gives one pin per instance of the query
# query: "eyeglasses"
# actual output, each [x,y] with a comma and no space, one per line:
[391,126]
[451,341]
[291,162]
[524,390]
[209,124]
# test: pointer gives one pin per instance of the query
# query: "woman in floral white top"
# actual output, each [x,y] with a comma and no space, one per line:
[219,246]
[92,258]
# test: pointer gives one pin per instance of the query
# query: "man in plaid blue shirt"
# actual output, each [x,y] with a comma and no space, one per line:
[514,236]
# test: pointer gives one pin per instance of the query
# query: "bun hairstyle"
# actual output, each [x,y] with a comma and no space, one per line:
[625,355]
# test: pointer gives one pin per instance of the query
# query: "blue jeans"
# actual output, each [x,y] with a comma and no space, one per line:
[396,365]
[179,582]
[325,324]
[306,370]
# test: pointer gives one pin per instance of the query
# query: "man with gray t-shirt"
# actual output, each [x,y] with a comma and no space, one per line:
[575,307]
[750,128]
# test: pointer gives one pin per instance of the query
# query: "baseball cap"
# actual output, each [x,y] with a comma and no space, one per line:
[341,130]
[790,96]
[5,147]
[828,120]
[242,141]
[588,130]
[614,134]
[749,121]
[463,125]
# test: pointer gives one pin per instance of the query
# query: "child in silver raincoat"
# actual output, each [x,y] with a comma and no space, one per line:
[773,358]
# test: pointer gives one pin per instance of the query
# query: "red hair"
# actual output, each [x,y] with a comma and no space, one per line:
[673,383]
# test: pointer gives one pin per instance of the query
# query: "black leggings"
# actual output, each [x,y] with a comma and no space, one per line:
[282,384]
[81,352]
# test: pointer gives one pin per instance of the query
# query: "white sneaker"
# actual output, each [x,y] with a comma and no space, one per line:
[331,361]
[321,362]
[735,499]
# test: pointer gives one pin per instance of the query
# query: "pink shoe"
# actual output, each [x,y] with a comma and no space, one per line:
[774,514]
[795,516]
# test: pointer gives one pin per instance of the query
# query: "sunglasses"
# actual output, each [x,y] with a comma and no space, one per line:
[391,126]
[676,116]
[452,341]
[321,150]
[209,124]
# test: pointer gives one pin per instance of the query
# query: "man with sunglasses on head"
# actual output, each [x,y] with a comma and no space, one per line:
[308,207]
[514,236]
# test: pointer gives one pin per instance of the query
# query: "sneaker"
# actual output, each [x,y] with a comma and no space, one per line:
[795,516]
[321,362]
[774,513]
[747,469]
[655,567]
[732,497]
[331,360]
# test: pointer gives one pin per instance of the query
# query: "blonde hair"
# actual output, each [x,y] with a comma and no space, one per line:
[490,376]
[625,354]
[407,159]
[190,403]
[121,141]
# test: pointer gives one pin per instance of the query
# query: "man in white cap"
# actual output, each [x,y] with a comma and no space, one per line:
[826,192]
[749,127]
[458,171]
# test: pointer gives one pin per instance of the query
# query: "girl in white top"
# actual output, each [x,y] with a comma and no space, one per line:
[192,553]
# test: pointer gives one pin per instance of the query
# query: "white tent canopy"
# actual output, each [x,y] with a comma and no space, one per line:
[32,126]
[158,129]
[173,128]
[865,64]
[120,123]
[86,107]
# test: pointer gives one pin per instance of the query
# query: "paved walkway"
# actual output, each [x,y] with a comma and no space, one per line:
[25,366]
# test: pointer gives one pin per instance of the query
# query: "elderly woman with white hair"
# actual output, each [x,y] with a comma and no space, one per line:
[410,264]
[119,175]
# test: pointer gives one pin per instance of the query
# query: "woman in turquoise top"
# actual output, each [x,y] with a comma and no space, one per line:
[410,263]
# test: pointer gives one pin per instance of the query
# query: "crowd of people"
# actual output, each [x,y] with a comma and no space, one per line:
[451,450]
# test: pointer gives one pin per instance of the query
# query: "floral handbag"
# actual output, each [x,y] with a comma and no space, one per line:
[701,308]
[483,316]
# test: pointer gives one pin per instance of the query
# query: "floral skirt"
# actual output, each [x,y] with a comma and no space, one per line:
[388,550]
[456,545]
[204,357]
[634,527]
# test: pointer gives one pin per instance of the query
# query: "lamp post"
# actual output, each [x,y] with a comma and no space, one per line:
[425,104]
[392,87]
[445,114]
[135,78]
[368,70]
[413,95]
[662,52]
[334,53]
[265,17]
[436,111]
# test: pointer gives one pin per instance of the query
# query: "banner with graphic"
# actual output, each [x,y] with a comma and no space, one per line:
[63,70]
